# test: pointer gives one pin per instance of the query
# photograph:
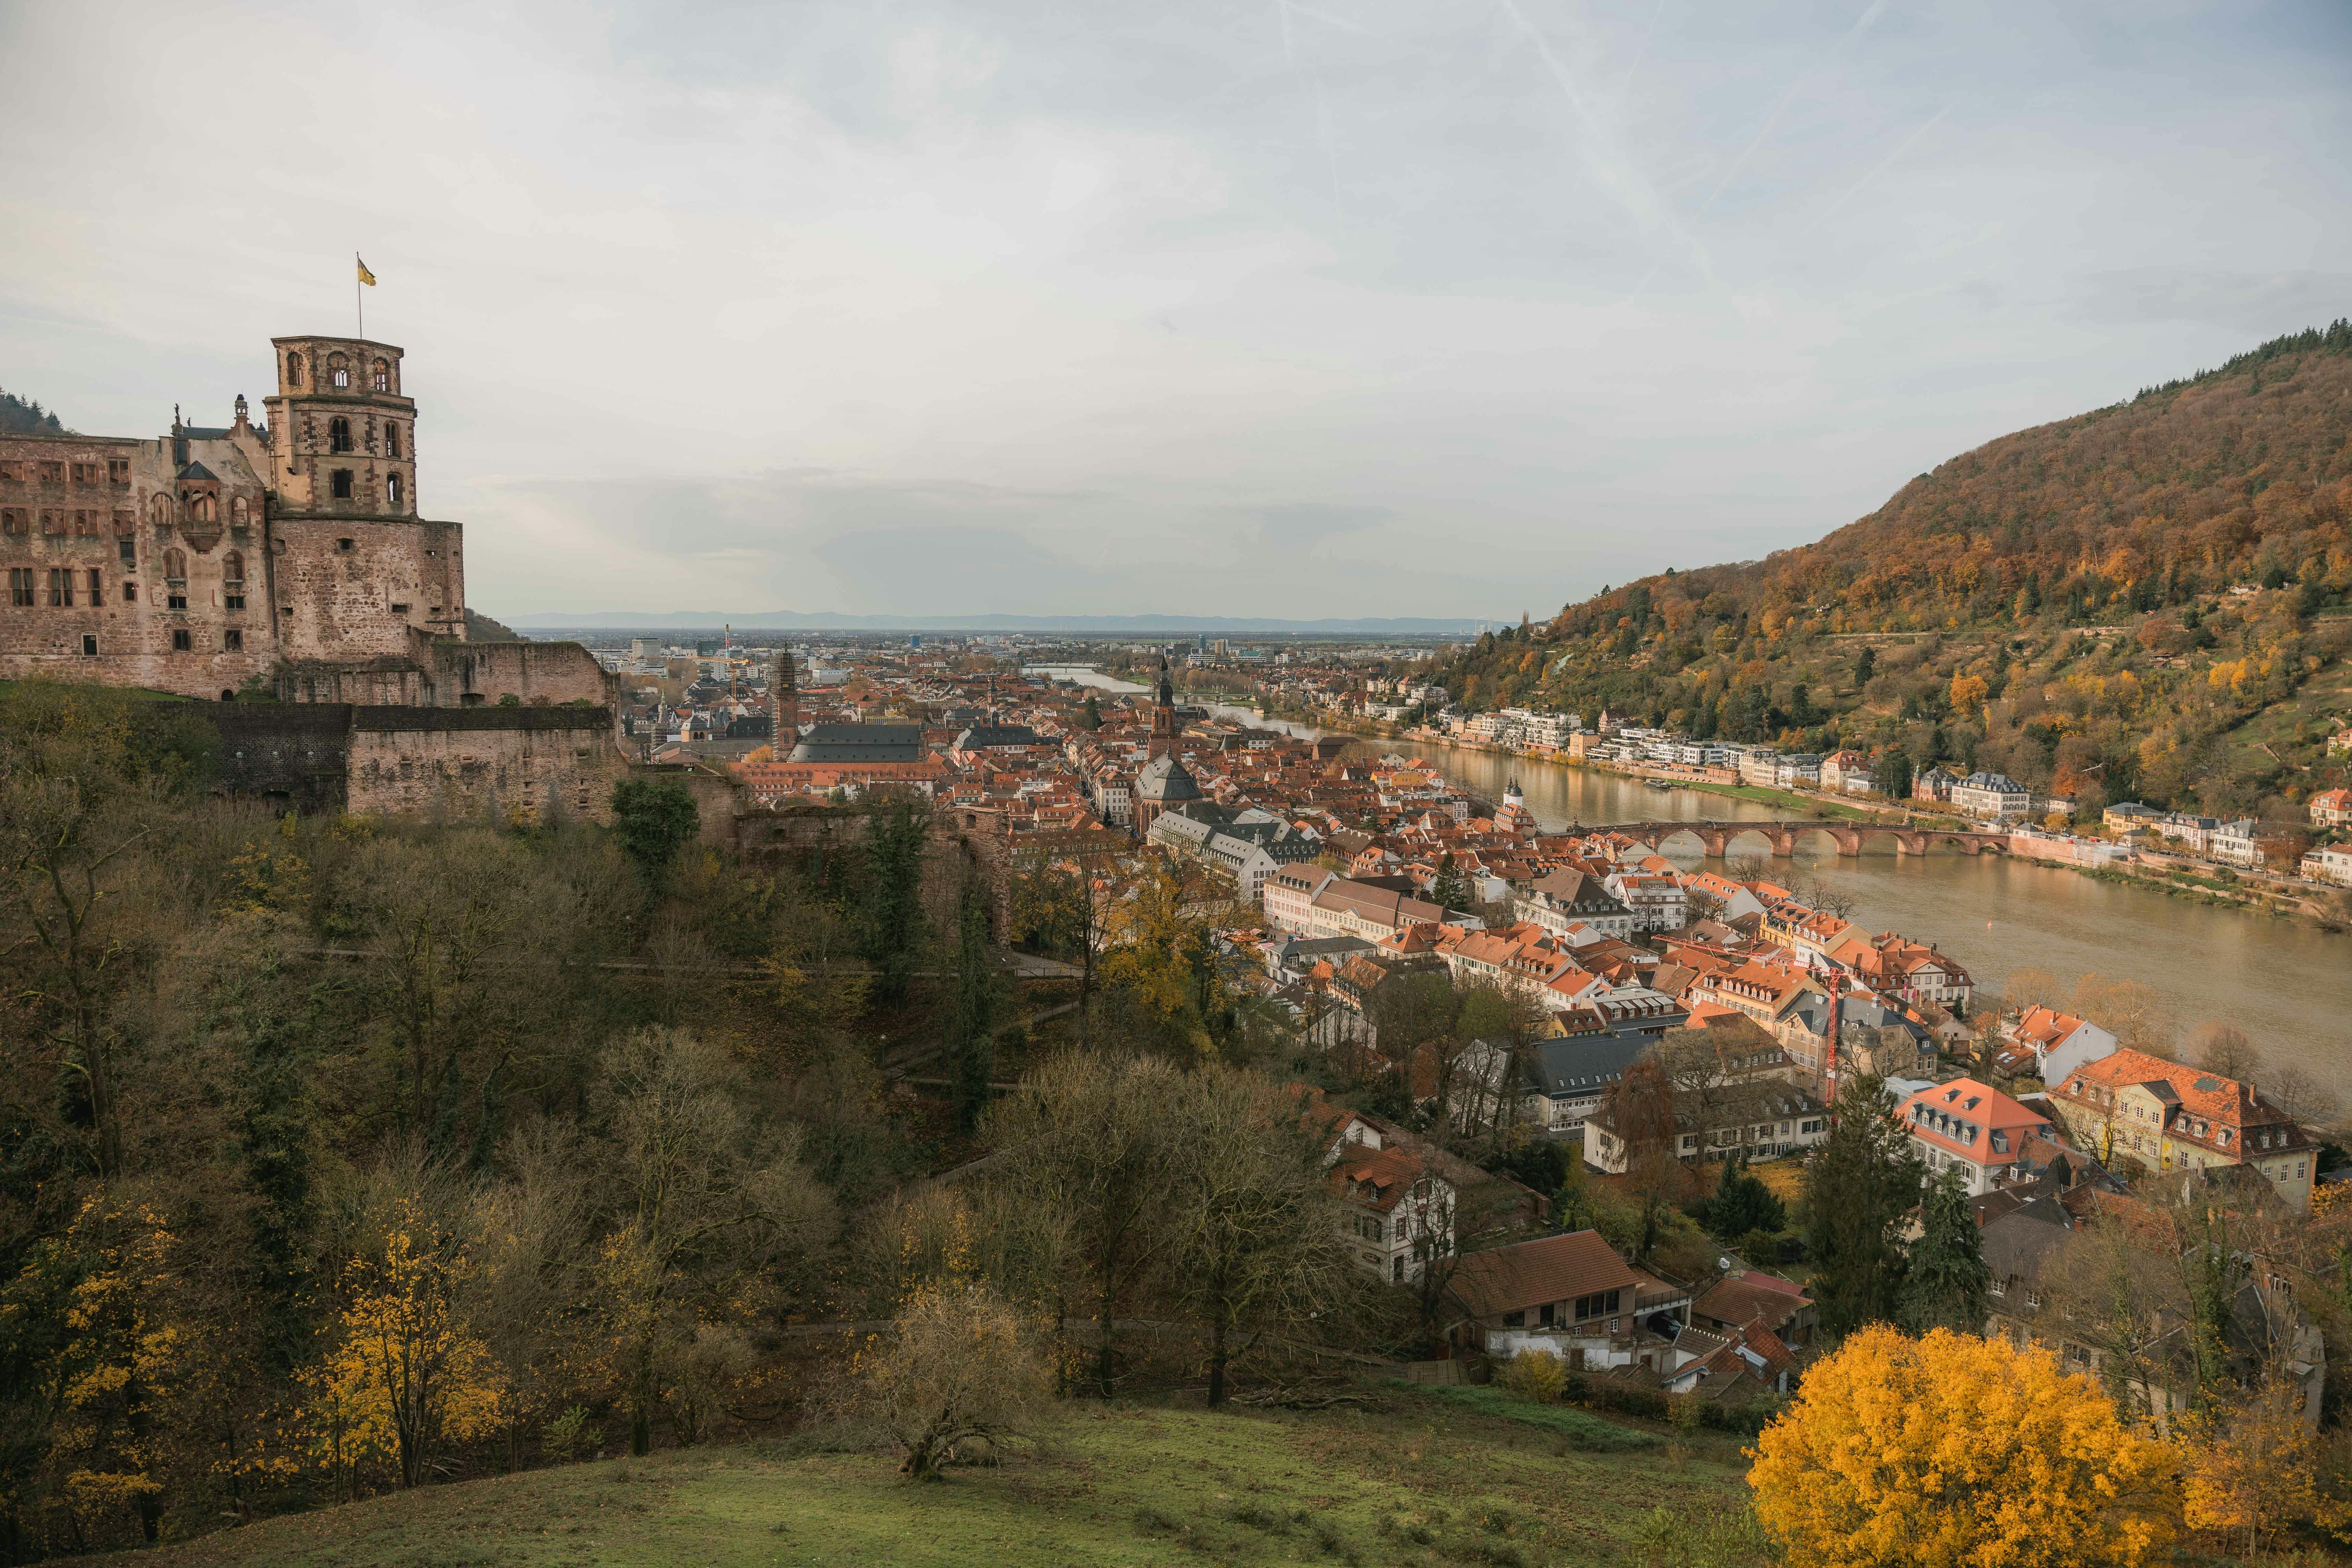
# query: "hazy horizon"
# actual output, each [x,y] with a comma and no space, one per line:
[1276,311]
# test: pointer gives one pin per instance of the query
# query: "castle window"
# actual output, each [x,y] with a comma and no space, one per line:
[53,473]
[233,580]
[85,473]
[181,642]
[158,511]
[97,587]
[61,587]
[129,550]
[12,519]
[20,586]
[391,490]
[207,509]
[339,435]
[382,377]
[237,512]
[233,640]
[176,580]
[391,439]
[341,484]
[293,370]
[88,645]
[131,593]
[342,544]
[53,523]
[86,522]
[343,377]
[118,470]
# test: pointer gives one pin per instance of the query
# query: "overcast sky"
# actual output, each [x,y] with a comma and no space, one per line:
[1276,308]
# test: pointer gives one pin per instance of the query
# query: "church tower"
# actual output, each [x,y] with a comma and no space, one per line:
[1165,729]
[354,569]
[784,705]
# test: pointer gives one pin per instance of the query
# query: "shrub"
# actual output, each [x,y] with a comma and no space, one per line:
[962,1369]
[1533,1375]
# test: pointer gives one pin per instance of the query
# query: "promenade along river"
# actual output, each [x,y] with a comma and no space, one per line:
[2288,985]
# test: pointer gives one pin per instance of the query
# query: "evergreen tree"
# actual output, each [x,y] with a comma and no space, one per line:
[1447,889]
[1946,1284]
[1092,715]
[1864,667]
[1859,1185]
[971,1023]
[896,831]
[654,818]
[1894,773]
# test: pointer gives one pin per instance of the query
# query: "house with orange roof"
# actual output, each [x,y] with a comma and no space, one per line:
[2164,1116]
[1971,1128]
[2060,1042]
[2332,808]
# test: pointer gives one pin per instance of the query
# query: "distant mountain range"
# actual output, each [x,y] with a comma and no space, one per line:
[828,620]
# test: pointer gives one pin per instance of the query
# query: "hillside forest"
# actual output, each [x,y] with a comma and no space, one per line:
[2151,601]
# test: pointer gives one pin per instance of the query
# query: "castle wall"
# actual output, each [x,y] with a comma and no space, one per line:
[489,761]
[295,752]
[464,674]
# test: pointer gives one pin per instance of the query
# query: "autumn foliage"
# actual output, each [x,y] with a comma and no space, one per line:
[1951,1451]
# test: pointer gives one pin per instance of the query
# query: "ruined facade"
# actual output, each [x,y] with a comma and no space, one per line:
[288,560]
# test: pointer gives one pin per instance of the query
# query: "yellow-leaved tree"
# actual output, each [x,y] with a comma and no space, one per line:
[1951,1451]
[404,1375]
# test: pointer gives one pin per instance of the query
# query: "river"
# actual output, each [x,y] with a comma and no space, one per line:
[2288,985]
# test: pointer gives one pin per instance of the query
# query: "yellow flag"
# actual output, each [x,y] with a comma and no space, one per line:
[365,276]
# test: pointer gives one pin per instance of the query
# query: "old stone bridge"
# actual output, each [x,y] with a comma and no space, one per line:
[1723,837]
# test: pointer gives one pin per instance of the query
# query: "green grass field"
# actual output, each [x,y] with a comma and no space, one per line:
[1415,1479]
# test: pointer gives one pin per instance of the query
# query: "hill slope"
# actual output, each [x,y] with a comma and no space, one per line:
[1421,1477]
[2152,594]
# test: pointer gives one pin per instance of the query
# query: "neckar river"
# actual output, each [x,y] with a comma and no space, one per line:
[2287,985]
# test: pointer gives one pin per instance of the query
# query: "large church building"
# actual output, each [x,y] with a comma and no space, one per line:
[290,559]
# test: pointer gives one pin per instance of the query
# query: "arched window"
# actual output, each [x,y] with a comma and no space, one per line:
[383,376]
[176,580]
[158,510]
[293,370]
[238,511]
[233,580]
[391,439]
[207,508]
[339,435]
[391,490]
[338,374]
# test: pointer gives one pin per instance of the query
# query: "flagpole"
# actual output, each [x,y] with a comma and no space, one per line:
[359,302]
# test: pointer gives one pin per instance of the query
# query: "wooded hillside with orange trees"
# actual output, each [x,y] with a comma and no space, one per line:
[2149,601]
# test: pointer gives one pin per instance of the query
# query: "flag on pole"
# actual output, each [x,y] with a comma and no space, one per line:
[365,276]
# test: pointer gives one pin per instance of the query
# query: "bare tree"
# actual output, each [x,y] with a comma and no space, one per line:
[2303,1096]
[1089,1132]
[2132,1011]
[1258,1240]
[705,1196]
[2224,1050]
